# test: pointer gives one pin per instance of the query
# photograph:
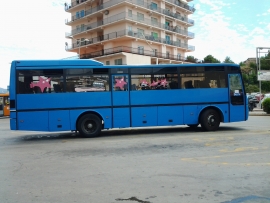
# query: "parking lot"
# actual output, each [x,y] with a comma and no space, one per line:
[153,165]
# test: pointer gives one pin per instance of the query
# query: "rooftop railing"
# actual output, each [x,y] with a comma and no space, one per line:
[135,2]
[132,50]
[122,16]
[131,33]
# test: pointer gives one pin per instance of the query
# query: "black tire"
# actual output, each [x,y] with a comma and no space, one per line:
[89,125]
[210,120]
[193,126]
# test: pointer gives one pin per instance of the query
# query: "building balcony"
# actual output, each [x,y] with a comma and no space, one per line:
[182,5]
[133,34]
[124,49]
[141,3]
[135,18]
[75,4]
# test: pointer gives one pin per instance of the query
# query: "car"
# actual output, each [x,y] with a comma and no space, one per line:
[252,102]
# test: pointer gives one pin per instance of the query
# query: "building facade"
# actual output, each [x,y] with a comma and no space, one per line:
[130,31]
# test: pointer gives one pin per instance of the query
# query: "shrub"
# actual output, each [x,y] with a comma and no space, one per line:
[266,105]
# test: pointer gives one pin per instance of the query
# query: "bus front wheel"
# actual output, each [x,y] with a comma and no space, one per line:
[89,125]
[210,120]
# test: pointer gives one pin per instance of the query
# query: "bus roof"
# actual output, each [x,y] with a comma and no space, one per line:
[90,62]
[40,63]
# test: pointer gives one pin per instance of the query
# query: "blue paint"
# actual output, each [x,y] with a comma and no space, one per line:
[247,198]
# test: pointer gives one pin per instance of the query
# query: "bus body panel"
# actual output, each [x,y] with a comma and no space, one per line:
[180,96]
[59,120]
[120,98]
[105,113]
[121,117]
[191,114]
[170,115]
[33,120]
[59,100]
[13,124]
[144,116]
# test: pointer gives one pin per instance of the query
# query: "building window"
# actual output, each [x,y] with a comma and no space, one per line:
[167,54]
[168,39]
[155,35]
[179,42]
[78,42]
[77,14]
[140,16]
[140,2]
[153,6]
[178,56]
[168,25]
[107,62]
[140,33]
[154,52]
[154,21]
[140,50]
[129,13]
[82,27]
[118,62]
[82,13]
[130,32]
[78,28]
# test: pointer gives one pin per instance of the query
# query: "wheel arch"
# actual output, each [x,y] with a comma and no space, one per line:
[220,113]
[90,112]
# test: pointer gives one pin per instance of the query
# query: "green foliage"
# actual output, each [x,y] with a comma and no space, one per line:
[251,88]
[265,86]
[210,59]
[265,62]
[266,105]
[228,60]
[191,59]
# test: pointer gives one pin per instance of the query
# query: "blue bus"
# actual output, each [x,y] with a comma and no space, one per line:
[87,96]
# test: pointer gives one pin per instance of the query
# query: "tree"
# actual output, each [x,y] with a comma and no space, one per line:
[265,62]
[228,60]
[210,59]
[191,59]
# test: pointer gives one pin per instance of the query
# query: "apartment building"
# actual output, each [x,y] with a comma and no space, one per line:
[119,32]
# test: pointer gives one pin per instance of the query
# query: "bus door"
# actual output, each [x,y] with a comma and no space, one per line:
[120,101]
[236,98]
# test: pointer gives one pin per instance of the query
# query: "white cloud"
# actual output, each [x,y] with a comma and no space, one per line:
[34,31]
[218,35]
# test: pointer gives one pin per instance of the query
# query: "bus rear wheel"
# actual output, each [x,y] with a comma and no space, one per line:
[210,120]
[89,125]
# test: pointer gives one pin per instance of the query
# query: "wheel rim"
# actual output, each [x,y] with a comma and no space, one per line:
[211,120]
[89,126]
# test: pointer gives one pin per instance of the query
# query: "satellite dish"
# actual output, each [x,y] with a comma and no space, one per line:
[106,12]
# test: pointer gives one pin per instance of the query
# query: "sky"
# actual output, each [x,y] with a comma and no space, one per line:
[36,30]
